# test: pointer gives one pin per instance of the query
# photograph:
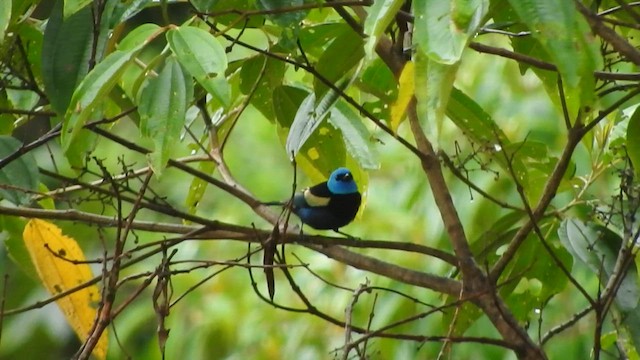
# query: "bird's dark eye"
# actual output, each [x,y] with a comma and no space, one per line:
[344,177]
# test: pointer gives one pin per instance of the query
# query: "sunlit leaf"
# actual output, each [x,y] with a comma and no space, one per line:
[53,255]
[355,135]
[565,36]
[443,28]
[203,57]
[379,16]
[73,6]
[406,92]
[5,18]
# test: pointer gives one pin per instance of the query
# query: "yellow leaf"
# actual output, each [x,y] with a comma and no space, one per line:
[405,94]
[58,274]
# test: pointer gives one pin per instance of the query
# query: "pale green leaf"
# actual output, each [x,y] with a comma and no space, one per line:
[203,57]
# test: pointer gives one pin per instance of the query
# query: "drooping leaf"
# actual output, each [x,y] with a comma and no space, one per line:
[163,106]
[406,86]
[443,28]
[355,135]
[339,60]
[304,124]
[203,57]
[566,37]
[442,31]
[62,70]
[379,16]
[53,255]
[597,247]
[198,186]
[19,177]
[633,140]
[433,84]
[89,96]
[5,18]
[325,149]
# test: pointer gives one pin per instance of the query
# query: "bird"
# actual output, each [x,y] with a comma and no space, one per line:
[328,205]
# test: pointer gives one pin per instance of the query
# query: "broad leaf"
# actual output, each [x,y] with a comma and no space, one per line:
[55,257]
[379,16]
[89,96]
[565,36]
[355,135]
[597,247]
[203,57]
[443,28]
[5,18]
[339,59]
[163,105]
[62,70]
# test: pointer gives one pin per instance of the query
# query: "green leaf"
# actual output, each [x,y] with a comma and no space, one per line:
[11,233]
[567,39]
[5,18]
[433,84]
[269,75]
[339,59]
[163,105]
[379,16]
[633,140]
[304,124]
[124,10]
[355,134]
[442,31]
[443,28]
[71,7]
[203,57]
[63,69]
[287,19]
[198,186]
[90,94]
[20,176]
[324,151]
[597,247]
[476,123]
[537,271]
[286,101]
[139,36]
[311,114]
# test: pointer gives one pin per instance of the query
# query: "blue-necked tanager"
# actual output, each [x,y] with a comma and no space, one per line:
[328,205]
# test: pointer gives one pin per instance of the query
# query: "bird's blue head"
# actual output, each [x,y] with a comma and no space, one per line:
[341,182]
